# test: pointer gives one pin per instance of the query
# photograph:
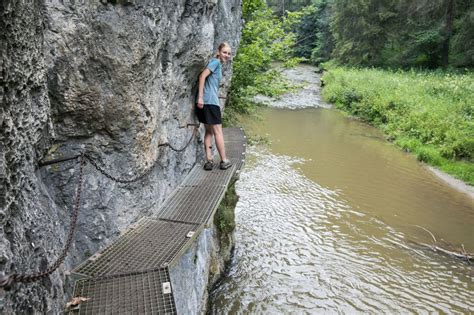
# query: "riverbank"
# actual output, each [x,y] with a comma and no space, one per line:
[457,184]
[427,114]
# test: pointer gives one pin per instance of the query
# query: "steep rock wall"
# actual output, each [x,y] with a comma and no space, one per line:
[114,79]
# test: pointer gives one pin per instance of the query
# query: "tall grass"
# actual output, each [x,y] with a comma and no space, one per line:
[428,113]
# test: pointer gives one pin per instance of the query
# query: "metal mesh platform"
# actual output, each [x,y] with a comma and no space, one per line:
[235,142]
[196,204]
[131,275]
[234,135]
[200,177]
[196,199]
[150,245]
[145,293]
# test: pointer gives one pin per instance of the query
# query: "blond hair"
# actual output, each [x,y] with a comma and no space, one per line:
[220,47]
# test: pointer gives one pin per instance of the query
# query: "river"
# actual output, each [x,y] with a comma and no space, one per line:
[334,219]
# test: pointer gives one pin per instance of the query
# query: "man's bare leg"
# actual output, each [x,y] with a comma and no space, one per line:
[219,138]
[208,141]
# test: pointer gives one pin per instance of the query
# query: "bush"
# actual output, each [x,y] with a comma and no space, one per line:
[265,39]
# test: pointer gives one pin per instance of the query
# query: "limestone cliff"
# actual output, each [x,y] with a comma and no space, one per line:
[111,78]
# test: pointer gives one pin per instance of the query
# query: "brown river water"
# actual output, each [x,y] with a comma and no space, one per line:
[334,219]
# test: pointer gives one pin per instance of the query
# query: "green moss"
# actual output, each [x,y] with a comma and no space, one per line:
[53,149]
[224,218]
[254,139]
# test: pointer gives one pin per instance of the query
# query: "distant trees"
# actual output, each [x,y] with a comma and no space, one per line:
[387,33]
[362,29]
[461,45]
[280,6]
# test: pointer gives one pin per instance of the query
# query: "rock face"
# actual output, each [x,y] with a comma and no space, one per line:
[114,79]
[189,277]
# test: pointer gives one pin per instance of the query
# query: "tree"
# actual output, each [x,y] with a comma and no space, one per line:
[448,32]
[306,32]
[281,6]
[360,29]
[403,33]
[462,40]
[324,41]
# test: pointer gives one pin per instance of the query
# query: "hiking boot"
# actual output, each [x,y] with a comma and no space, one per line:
[209,165]
[225,165]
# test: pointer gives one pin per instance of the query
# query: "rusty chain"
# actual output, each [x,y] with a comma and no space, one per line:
[6,281]
[118,179]
[136,178]
[185,146]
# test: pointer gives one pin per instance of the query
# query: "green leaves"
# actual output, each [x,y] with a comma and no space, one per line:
[265,39]
[249,7]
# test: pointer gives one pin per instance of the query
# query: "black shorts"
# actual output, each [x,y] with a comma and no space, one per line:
[209,115]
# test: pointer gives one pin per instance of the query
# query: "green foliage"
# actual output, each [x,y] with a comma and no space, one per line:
[282,7]
[324,41]
[224,218]
[306,32]
[388,33]
[462,44]
[361,29]
[421,38]
[278,86]
[293,62]
[249,7]
[427,113]
[314,40]
[265,39]
[429,155]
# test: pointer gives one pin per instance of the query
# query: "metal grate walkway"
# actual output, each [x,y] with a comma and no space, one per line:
[138,249]
[235,142]
[130,276]
[196,203]
[142,293]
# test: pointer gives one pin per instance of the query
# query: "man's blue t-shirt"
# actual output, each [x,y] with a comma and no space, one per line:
[211,86]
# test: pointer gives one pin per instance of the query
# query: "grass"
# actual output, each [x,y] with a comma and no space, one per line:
[430,114]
